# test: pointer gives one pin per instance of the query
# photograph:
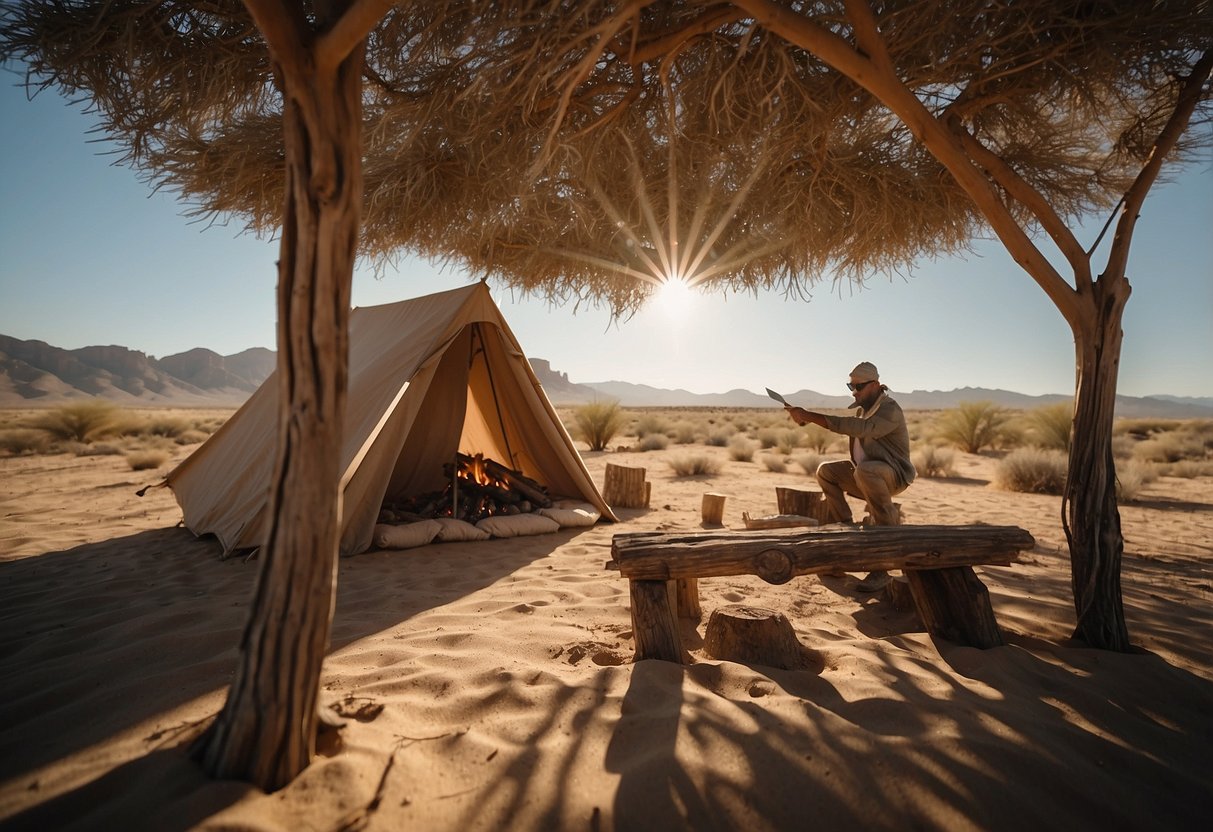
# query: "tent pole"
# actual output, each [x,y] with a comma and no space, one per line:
[496,404]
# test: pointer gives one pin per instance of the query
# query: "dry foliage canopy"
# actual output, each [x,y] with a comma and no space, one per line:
[586,149]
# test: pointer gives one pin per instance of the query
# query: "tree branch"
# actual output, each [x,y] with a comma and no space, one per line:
[282,25]
[709,21]
[935,136]
[335,45]
[1189,96]
[1019,190]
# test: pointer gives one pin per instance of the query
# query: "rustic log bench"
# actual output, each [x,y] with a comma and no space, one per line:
[663,570]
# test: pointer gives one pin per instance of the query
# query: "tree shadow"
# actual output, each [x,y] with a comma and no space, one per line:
[82,648]
[926,746]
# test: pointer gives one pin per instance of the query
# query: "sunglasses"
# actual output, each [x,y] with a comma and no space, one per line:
[855,388]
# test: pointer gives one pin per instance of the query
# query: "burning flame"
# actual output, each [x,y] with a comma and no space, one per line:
[476,471]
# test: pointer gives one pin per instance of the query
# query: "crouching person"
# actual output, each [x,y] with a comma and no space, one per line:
[879,467]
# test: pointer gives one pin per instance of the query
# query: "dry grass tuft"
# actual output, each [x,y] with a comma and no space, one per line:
[934,461]
[19,441]
[775,464]
[696,465]
[146,460]
[597,423]
[80,422]
[809,463]
[1033,471]
[741,449]
[973,425]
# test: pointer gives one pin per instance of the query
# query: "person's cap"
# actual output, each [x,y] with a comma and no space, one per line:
[865,371]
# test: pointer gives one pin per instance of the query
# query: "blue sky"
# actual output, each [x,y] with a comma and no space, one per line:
[88,255]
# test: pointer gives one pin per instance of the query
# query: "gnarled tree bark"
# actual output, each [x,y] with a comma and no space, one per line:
[266,732]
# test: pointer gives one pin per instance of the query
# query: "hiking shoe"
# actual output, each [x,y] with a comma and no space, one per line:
[874,582]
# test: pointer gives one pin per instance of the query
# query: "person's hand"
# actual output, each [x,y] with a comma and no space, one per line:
[798,414]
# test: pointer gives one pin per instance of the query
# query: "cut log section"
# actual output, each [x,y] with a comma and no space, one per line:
[752,635]
[804,501]
[712,509]
[625,487]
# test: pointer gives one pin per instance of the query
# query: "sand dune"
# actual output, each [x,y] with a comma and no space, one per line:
[493,682]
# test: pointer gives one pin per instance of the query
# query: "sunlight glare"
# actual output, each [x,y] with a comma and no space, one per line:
[674,298]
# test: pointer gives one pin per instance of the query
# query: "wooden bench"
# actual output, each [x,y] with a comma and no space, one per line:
[663,570]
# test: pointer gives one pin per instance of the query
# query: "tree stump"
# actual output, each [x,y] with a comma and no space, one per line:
[713,509]
[752,635]
[797,501]
[625,487]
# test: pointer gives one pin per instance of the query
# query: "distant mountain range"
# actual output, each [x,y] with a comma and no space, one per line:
[36,374]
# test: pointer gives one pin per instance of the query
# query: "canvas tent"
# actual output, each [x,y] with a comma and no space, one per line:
[427,377]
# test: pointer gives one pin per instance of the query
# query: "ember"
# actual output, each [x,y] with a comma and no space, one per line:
[478,488]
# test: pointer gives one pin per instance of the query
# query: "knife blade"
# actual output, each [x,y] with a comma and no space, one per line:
[777,397]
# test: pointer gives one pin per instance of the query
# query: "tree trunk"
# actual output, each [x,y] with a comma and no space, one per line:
[1089,511]
[266,732]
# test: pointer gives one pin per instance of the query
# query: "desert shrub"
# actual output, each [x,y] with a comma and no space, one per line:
[973,425]
[788,441]
[596,423]
[1144,427]
[720,436]
[741,449]
[170,426]
[654,442]
[1032,470]
[696,465]
[685,433]
[80,421]
[774,463]
[145,460]
[809,463]
[1189,469]
[933,461]
[1123,446]
[1131,477]
[648,424]
[1170,447]
[817,438]
[191,437]
[1049,426]
[96,449]
[767,437]
[18,441]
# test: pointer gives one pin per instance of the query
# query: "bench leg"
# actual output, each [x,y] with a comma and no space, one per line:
[654,627]
[954,604]
[687,590]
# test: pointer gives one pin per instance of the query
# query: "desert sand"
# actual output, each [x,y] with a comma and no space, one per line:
[490,685]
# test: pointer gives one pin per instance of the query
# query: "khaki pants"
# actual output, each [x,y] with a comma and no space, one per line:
[873,482]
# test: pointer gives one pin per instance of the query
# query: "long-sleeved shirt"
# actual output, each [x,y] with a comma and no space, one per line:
[881,434]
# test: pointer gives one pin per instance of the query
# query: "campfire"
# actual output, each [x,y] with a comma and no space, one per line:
[477,488]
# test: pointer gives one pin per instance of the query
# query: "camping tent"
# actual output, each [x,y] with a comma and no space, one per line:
[427,377]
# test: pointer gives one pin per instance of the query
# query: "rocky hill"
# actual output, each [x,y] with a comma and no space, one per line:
[35,374]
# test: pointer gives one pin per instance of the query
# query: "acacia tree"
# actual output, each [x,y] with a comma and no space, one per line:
[174,83]
[590,149]
[1125,67]
[853,133]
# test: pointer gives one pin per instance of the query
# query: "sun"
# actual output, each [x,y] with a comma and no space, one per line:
[674,298]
